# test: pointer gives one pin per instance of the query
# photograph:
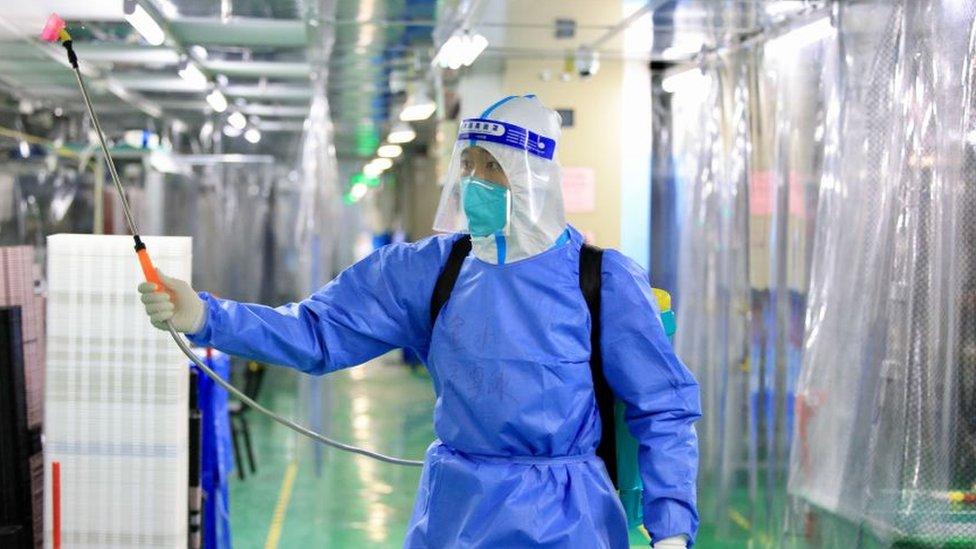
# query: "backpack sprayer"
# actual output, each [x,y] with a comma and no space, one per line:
[55,31]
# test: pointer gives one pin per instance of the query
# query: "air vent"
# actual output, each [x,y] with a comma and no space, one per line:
[565,28]
[567,116]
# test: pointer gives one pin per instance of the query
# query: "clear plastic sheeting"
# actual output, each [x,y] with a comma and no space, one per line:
[319,205]
[826,285]
[36,202]
[320,197]
[240,214]
[712,290]
[229,210]
[318,226]
[747,131]
[885,445]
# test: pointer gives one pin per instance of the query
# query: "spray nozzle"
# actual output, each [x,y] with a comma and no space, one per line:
[54,30]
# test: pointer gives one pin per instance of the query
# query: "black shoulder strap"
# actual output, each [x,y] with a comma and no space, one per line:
[448,276]
[591,281]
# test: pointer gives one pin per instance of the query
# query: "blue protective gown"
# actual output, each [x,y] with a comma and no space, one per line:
[515,416]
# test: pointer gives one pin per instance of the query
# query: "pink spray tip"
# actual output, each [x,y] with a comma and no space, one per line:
[52,29]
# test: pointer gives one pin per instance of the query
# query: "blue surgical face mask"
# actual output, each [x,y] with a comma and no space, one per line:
[485,205]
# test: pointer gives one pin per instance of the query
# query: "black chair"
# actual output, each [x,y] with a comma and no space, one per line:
[237,410]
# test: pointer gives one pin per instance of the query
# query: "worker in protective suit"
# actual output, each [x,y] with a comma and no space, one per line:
[515,417]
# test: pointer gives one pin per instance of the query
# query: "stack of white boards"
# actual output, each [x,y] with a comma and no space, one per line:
[116,397]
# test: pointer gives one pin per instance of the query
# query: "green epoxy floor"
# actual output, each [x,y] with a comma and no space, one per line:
[355,502]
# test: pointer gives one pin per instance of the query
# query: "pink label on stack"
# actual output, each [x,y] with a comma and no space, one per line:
[3,276]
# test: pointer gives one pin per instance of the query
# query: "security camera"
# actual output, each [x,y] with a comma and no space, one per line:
[587,62]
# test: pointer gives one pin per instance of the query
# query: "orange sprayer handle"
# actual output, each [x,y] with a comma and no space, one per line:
[148,270]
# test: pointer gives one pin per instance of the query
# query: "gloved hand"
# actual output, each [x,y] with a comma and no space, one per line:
[674,542]
[177,302]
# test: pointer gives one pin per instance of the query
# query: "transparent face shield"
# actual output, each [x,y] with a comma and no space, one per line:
[502,180]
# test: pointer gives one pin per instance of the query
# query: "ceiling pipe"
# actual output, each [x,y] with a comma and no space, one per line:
[761,35]
[648,8]
[184,52]
[462,20]
[226,10]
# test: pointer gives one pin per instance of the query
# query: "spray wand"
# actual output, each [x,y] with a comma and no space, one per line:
[55,31]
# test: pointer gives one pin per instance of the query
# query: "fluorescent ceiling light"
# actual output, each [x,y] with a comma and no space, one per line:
[193,75]
[460,50]
[447,56]
[805,35]
[253,135]
[134,138]
[367,30]
[401,133]
[366,34]
[366,10]
[167,9]
[784,7]
[416,113]
[420,107]
[217,101]
[237,120]
[358,191]
[141,139]
[382,163]
[684,80]
[206,131]
[163,161]
[472,46]
[24,149]
[372,170]
[146,26]
[232,131]
[389,151]
[178,126]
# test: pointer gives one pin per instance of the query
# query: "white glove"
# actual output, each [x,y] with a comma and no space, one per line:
[177,302]
[674,542]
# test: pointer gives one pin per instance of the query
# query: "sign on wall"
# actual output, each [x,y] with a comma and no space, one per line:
[579,189]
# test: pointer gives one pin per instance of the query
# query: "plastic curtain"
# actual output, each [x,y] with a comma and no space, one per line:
[320,191]
[241,217]
[885,448]
[747,149]
[36,202]
[318,223]
[228,209]
[825,282]
[712,286]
